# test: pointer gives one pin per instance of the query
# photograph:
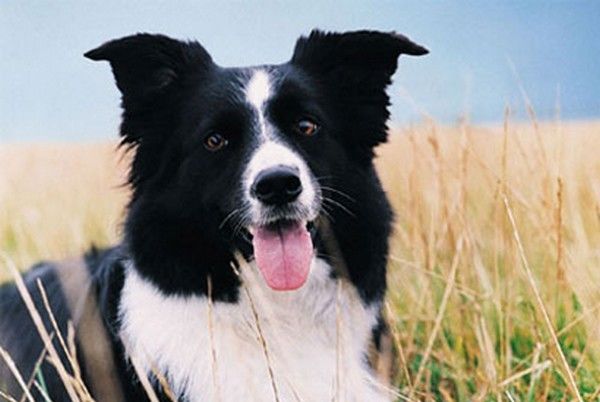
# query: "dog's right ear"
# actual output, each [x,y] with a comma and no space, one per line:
[356,68]
[146,64]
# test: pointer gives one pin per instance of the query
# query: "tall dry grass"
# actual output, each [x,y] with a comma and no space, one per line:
[56,199]
[495,262]
[454,191]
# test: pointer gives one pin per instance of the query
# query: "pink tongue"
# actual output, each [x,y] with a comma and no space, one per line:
[283,255]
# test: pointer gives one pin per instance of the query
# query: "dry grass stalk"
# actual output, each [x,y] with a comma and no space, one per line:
[534,368]
[7,397]
[535,361]
[338,343]
[538,298]
[36,367]
[596,394]
[213,351]
[69,351]
[42,391]
[439,317]
[487,349]
[46,338]
[164,384]
[264,346]
[261,337]
[560,271]
[15,372]
[141,375]
[393,324]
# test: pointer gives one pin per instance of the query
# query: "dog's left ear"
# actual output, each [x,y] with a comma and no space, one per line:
[356,68]
[147,65]
[149,71]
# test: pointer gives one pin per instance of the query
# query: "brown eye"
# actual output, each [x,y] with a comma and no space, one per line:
[214,142]
[307,127]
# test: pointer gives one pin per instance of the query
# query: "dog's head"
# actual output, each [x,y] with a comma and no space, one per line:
[227,156]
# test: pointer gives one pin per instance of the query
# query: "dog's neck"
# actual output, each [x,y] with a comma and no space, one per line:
[310,343]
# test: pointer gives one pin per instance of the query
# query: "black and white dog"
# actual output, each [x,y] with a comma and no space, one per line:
[271,164]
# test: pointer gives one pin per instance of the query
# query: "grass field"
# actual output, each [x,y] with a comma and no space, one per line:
[495,262]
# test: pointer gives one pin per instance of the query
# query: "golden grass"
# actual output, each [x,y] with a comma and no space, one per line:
[495,261]
[448,187]
[55,199]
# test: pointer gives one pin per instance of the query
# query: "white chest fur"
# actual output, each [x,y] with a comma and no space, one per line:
[315,337]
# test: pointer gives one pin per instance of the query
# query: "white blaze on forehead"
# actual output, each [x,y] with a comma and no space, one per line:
[271,154]
[258,89]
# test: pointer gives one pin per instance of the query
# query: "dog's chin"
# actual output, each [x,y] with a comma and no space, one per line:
[284,250]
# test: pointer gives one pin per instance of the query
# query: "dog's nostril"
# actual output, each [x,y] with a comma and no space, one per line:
[277,185]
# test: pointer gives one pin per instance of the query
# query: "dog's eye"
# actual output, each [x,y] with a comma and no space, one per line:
[215,141]
[306,127]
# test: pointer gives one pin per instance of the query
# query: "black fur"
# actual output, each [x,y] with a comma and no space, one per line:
[173,94]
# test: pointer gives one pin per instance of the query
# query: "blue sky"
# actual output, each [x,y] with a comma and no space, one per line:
[48,91]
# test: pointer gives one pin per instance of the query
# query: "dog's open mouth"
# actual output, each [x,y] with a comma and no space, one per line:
[283,251]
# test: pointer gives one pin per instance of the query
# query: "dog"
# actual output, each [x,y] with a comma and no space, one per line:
[253,258]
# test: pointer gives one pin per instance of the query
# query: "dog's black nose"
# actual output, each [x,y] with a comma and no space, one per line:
[277,185]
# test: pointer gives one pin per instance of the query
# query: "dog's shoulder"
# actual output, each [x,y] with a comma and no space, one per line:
[106,270]
[56,289]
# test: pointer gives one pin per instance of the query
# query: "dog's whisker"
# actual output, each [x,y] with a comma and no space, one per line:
[339,205]
[229,216]
[343,194]
[238,228]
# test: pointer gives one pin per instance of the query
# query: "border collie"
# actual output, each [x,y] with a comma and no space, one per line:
[253,261]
